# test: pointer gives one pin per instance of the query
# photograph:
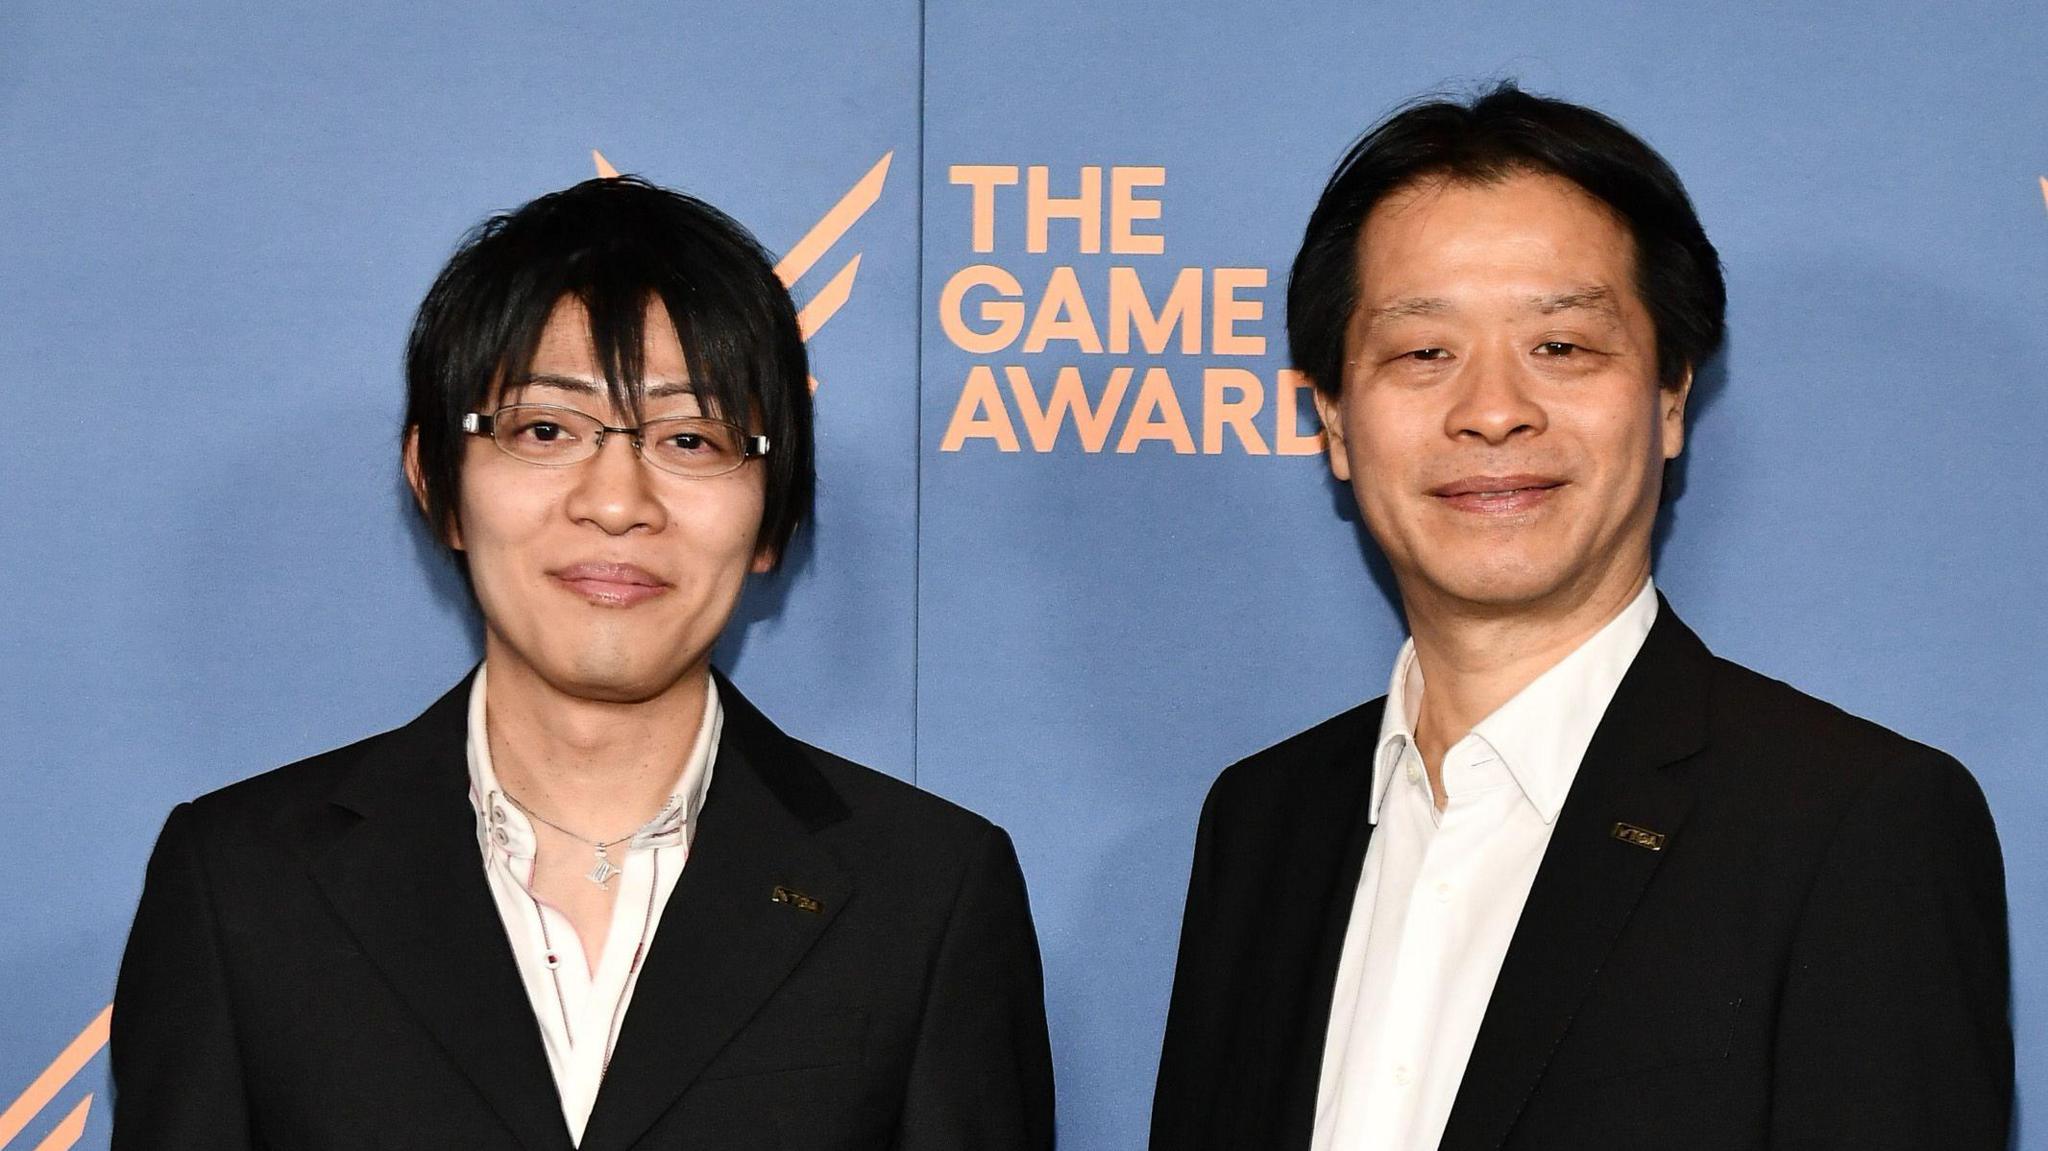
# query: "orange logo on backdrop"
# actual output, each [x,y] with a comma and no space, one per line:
[805,255]
[986,310]
[57,1076]
[825,304]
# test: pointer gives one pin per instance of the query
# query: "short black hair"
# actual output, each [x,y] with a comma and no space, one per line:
[615,245]
[1503,132]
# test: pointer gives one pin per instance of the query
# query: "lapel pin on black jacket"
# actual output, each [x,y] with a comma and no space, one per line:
[796,899]
[1641,837]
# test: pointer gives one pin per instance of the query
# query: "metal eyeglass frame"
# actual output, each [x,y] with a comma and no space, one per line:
[485,424]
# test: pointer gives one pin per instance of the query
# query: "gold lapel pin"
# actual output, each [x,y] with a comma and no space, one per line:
[1629,833]
[800,901]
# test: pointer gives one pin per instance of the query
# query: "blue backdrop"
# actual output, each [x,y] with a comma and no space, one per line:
[1066,601]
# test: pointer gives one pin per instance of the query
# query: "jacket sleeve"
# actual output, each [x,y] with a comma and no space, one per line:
[1186,1057]
[981,1075]
[1894,1031]
[177,1070]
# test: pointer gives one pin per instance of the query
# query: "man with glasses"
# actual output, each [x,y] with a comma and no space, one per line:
[591,897]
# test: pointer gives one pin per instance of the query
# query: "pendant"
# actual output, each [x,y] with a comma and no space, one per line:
[602,871]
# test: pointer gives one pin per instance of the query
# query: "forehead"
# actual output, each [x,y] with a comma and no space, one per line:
[567,345]
[1527,232]
[568,366]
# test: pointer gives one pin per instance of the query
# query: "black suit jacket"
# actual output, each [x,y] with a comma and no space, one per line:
[1814,956]
[317,963]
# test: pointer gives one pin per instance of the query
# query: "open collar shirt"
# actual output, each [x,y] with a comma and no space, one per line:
[1441,891]
[580,1010]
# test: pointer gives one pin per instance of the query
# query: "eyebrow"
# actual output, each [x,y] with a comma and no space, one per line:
[1402,309]
[589,388]
[1596,298]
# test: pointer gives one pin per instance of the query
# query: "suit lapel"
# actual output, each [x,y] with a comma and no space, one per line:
[404,875]
[1591,878]
[726,940]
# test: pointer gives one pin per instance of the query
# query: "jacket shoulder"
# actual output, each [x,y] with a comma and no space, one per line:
[1754,708]
[830,791]
[1800,753]
[877,797]
[1303,768]
[282,792]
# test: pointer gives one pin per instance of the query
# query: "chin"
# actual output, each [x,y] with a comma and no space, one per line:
[1496,582]
[611,691]
[606,677]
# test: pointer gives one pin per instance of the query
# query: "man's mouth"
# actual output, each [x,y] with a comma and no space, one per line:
[611,584]
[1497,495]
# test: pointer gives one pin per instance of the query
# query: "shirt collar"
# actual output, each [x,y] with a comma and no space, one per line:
[1397,724]
[501,822]
[1542,733]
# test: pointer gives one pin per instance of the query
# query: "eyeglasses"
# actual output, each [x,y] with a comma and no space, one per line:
[696,447]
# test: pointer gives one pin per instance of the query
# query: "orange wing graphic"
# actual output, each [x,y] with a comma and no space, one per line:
[55,1078]
[829,230]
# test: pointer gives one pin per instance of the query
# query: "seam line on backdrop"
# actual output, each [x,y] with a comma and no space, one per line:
[917,430]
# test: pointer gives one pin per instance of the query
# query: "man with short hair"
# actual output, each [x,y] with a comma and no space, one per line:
[592,897]
[1574,882]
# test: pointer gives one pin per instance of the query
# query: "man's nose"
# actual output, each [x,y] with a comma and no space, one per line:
[615,491]
[1495,400]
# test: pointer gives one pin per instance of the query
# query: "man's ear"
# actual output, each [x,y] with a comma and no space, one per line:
[1331,411]
[766,554]
[416,481]
[1671,415]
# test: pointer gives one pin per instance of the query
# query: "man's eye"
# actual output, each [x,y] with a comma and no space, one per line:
[1557,348]
[1428,354]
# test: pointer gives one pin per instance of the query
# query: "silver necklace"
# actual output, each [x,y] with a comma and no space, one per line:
[601,871]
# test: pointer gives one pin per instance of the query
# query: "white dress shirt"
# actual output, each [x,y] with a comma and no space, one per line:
[580,1010]
[1441,892]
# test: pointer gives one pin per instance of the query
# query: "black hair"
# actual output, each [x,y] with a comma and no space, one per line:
[614,245]
[1503,132]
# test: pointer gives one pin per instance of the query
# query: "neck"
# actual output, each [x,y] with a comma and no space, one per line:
[1477,657]
[597,767]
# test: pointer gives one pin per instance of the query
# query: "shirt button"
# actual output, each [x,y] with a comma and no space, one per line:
[1443,893]
[1402,1076]
[500,836]
[1414,772]
[553,961]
